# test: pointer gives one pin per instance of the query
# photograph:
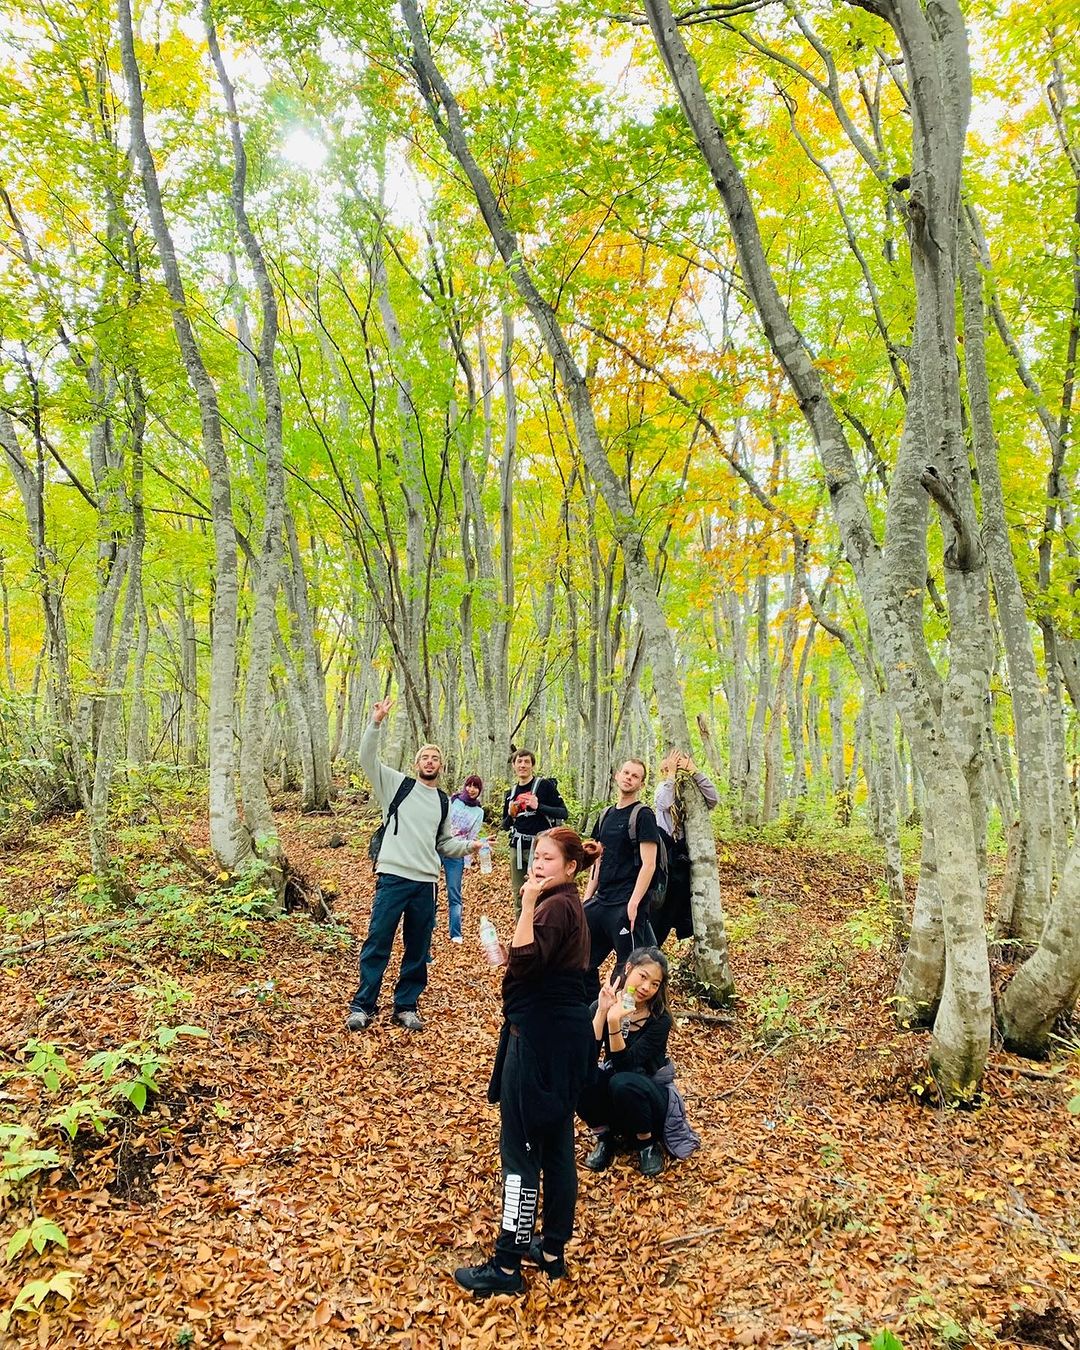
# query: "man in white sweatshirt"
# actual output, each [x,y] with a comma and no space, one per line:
[416,830]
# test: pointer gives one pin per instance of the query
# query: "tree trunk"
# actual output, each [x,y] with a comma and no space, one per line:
[1030,902]
[892,580]
[1048,982]
[228,836]
[710,938]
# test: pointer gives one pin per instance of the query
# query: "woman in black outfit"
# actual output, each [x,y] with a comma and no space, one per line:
[546,1056]
[631,1025]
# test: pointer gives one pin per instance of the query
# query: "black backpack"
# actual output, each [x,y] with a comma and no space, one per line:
[658,887]
[404,788]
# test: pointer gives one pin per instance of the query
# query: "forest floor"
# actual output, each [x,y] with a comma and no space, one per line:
[295,1185]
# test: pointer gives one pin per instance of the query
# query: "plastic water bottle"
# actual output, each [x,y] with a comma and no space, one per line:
[629,1003]
[485,858]
[489,940]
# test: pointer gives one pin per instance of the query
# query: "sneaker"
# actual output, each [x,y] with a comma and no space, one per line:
[358,1021]
[650,1161]
[554,1269]
[603,1154]
[489,1278]
[409,1019]
[457,938]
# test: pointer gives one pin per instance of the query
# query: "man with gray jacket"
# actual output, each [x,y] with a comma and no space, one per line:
[416,831]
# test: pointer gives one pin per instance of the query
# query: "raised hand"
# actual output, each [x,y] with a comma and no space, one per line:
[531,890]
[379,711]
[610,998]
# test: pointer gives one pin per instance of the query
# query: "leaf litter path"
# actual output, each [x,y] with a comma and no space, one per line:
[297,1185]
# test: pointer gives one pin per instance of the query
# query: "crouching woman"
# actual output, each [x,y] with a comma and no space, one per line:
[631,1025]
[545,1058]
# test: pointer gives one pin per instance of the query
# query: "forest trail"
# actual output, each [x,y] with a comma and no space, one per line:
[295,1185]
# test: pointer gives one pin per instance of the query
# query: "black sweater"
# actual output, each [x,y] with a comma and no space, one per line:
[544,1006]
[646,1047]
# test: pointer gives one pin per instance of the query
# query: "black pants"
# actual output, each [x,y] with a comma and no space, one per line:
[412,905]
[609,931]
[531,1158]
[629,1104]
[675,912]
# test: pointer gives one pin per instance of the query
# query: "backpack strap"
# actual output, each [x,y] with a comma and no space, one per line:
[403,789]
[632,825]
[444,803]
[601,818]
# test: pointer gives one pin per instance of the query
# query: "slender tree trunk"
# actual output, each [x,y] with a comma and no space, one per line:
[228,836]
[710,936]
[1030,902]
[756,745]
[922,975]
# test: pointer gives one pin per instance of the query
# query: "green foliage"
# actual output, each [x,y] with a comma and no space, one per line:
[137,1066]
[82,1110]
[774,1013]
[35,1292]
[885,1340]
[19,1159]
[870,928]
[163,996]
[332,938]
[45,1063]
[37,1235]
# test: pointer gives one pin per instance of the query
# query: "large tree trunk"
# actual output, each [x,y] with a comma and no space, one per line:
[710,938]
[892,580]
[229,838]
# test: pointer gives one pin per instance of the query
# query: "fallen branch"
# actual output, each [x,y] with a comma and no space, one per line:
[713,1019]
[693,1237]
[1023,1072]
[754,1067]
[39,944]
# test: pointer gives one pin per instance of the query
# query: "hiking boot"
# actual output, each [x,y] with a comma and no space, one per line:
[409,1019]
[554,1268]
[358,1021]
[603,1154]
[650,1161]
[489,1278]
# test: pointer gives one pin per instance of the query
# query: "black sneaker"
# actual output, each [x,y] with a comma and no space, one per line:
[603,1155]
[554,1269]
[650,1161]
[489,1278]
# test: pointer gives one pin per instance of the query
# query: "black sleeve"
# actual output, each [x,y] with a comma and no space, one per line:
[646,1050]
[508,821]
[648,832]
[549,801]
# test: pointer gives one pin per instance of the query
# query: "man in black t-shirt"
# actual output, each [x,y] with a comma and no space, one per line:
[616,906]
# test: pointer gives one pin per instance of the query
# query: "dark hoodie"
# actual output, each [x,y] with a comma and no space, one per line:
[544,1004]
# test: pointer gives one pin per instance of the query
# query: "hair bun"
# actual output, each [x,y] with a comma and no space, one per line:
[592,848]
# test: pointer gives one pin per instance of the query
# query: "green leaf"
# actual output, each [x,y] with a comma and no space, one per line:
[44,1232]
[885,1340]
[136,1094]
[37,1291]
[1074,1105]
[17,1243]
